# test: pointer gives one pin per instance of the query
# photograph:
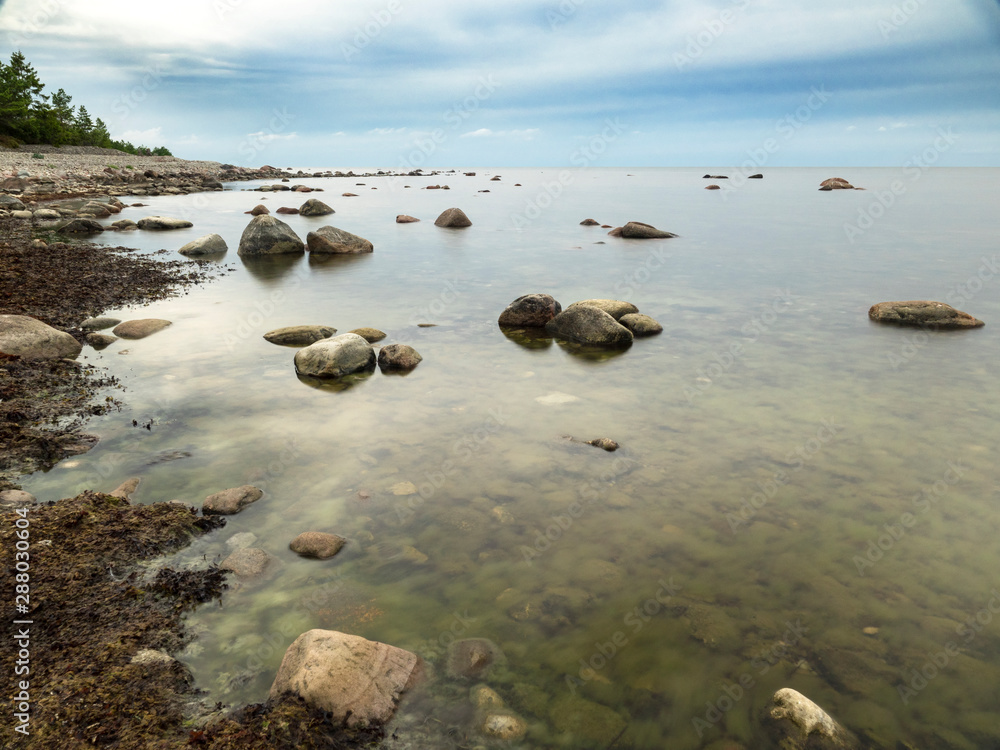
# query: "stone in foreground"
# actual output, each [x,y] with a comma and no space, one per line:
[797,723]
[337,241]
[231,501]
[588,325]
[249,563]
[398,357]
[636,230]
[923,314]
[354,679]
[210,244]
[32,339]
[616,308]
[299,335]
[454,218]
[317,544]
[139,329]
[163,223]
[530,310]
[267,235]
[335,357]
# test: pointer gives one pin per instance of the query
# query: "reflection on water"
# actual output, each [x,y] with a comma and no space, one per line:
[801,499]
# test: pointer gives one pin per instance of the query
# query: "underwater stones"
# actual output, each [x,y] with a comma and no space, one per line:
[588,325]
[798,723]
[32,339]
[358,681]
[472,657]
[299,335]
[923,314]
[453,218]
[406,219]
[317,544]
[371,335]
[209,244]
[640,325]
[398,357]
[504,726]
[335,357]
[636,230]
[267,235]
[530,310]
[249,563]
[13,499]
[591,722]
[616,308]
[126,488]
[99,324]
[139,329]
[483,696]
[315,207]
[335,241]
[163,223]
[231,501]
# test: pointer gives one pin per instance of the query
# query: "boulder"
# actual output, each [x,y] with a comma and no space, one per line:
[614,307]
[30,338]
[398,357]
[588,325]
[371,335]
[10,203]
[210,244]
[317,544]
[266,235]
[299,335]
[231,501]
[287,210]
[80,226]
[923,314]
[712,187]
[404,219]
[314,207]
[472,657]
[356,680]
[616,232]
[248,563]
[139,329]
[14,499]
[640,325]
[333,240]
[99,324]
[163,223]
[590,223]
[100,340]
[335,357]
[454,218]
[636,230]
[124,225]
[259,210]
[796,723]
[530,310]
[756,177]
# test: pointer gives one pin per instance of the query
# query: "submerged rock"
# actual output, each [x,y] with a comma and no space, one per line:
[588,325]
[267,235]
[640,325]
[472,657]
[356,680]
[398,357]
[141,328]
[231,501]
[636,230]
[604,443]
[797,723]
[32,339]
[299,335]
[504,726]
[100,340]
[333,240]
[530,310]
[248,563]
[335,357]
[317,544]
[453,218]
[923,314]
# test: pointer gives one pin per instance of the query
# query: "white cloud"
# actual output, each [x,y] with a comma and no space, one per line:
[143,137]
[263,136]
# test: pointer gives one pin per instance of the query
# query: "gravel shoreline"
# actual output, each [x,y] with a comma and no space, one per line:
[89,161]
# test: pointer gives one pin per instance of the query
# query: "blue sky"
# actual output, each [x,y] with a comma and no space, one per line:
[449,83]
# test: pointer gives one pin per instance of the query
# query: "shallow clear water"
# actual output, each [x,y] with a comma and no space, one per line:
[772,438]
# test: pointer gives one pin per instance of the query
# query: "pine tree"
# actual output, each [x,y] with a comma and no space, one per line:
[21,98]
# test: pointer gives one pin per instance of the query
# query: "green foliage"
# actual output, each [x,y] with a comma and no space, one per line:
[37,156]
[27,115]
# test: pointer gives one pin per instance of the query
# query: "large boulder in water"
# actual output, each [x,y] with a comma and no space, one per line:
[267,235]
[356,680]
[32,339]
[796,723]
[454,218]
[314,207]
[588,325]
[923,314]
[636,230]
[210,244]
[530,310]
[337,241]
[163,223]
[335,357]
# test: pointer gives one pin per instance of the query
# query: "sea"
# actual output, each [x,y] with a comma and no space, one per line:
[801,498]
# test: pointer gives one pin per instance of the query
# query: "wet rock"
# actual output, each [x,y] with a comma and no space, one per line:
[210,244]
[80,226]
[163,223]
[590,223]
[472,657]
[139,329]
[125,225]
[616,308]
[405,219]
[616,232]
[636,230]
[333,240]
[126,488]
[100,340]
[453,218]
[504,726]
[335,357]
[14,499]
[592,722]
[640,325]
[259,210]
[712,187]
[604,443]
[923,314]
[356,680]
[299,335]
[249,563]
[315,207]
[32,339]
[10,203]
[287,210]
[756,177]
[371,335]
[398,357]
[317,544]
[483,696]
[797,723]
[530,310]
[99,324]
[231,501]
[267,235]
[46,214]
[241,540]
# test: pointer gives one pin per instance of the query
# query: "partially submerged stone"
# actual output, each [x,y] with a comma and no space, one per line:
[371,335]
[163,223]
[335,357]
[139,329]
[640,325]
[267,235]
[636,230]
[589,325]
[249,563]
[209,244]
[923,314]
[453,218]
[231,501]
[336,241]
[299,335]
[398,357]
[317,544]
[30,338]
[616,308]
[315,207]
[798,724]
[530,310]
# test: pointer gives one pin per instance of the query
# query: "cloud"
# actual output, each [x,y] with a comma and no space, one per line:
[263,136]
[526,134]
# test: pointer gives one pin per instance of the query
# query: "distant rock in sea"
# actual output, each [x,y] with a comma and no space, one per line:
[923,314]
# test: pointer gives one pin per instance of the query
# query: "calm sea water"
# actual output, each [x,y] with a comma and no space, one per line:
[801,498]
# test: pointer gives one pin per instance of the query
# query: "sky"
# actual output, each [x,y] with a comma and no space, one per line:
[407,84]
